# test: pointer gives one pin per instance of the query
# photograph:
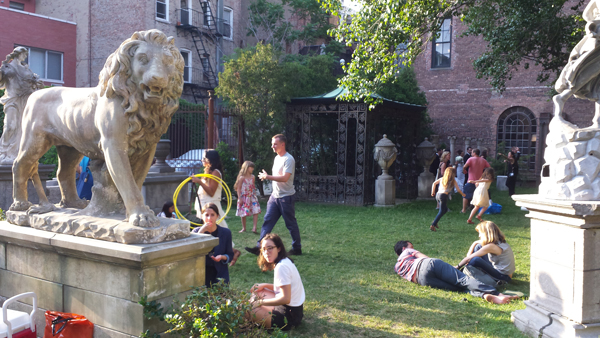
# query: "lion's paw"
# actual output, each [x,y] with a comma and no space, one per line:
[77,204]
[144,219]
[41,208]
[20,206]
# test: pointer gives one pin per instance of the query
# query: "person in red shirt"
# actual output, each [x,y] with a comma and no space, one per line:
[474,168]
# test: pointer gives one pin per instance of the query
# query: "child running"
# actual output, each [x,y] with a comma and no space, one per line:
[480,196]
[447,183]
[247,202]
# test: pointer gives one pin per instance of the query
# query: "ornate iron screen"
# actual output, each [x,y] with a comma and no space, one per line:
[330,156]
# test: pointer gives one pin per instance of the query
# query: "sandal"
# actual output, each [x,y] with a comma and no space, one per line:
[432,228]
[479,218]
[470,222]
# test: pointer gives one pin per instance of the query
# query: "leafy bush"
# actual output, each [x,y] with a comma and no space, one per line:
[230,167]
[209,313]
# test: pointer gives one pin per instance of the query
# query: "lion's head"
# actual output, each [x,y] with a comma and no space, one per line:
[147,72]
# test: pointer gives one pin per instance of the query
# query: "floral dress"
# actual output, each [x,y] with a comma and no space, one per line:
[247,203]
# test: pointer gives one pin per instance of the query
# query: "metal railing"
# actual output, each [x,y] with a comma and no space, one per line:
[195,76]
[188,18]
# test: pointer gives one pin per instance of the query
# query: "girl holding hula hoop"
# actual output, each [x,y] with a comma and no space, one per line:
[211,189]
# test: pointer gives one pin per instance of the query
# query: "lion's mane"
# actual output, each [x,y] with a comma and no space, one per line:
[147,122]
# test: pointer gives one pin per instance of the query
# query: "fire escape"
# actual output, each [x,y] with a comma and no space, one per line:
[205,31]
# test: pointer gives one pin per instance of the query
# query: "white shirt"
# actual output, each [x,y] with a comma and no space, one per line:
[281,165]
[286,273]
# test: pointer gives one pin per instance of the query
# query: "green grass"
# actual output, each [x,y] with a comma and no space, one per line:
[347,270]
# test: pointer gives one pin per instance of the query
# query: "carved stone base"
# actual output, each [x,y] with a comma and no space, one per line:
[424,184]
[385,193]
[112,228]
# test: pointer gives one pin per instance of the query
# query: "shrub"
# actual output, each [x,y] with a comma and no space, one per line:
[230,166]
[209,313]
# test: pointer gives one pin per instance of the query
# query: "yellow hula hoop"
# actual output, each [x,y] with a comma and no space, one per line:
[184,183]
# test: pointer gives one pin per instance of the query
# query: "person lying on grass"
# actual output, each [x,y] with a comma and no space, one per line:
[491,253]
[280,304]
[419,268]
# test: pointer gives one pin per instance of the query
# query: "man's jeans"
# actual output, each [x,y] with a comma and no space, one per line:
[441,275]
[277,207]
[484,264]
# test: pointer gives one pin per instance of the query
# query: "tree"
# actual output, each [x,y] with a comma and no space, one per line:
[258,82]
[253,83]
[278,24]
[519,33]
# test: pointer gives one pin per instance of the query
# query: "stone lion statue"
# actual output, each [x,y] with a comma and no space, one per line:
[116,124]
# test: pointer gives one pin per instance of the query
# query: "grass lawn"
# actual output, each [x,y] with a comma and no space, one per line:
[351,287]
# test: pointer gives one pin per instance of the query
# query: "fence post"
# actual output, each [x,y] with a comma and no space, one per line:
[241,133]
[211,121]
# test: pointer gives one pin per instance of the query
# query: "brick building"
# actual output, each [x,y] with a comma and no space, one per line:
[50,40]
[204,31]
[466,107]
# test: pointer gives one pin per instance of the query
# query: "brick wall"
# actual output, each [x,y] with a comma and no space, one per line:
[464,106]
[19,28]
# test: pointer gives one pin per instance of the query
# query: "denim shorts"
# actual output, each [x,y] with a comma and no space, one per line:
[469,189]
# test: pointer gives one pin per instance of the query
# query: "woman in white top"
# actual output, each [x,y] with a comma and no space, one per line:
[211,189]
[446,185]
[491,253]
[284,299]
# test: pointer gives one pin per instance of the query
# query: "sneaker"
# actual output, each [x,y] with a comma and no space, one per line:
[254,250]
[294,252]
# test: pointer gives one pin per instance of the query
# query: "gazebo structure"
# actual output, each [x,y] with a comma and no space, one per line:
[332,142]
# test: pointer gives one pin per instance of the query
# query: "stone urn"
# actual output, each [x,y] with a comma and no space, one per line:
[385,155]
[163,149]
[425,155]
[385,185]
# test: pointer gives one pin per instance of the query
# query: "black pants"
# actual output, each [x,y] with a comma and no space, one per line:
[511,182]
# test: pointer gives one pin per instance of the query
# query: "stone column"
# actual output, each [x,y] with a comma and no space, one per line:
[467,143]
[435,139]
[451,140]
[479,143]
[565,268]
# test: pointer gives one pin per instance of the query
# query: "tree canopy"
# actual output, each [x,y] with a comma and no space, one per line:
[519,33]
[278,24]
[258,81]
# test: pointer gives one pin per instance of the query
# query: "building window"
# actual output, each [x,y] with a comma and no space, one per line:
[162,10]
[185,13]
[227,23]
[187,70]
[16,5]
[47,64]
[207,13]
[442,43]
[517,127]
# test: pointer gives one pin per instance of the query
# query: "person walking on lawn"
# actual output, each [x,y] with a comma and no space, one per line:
[474,167]
[281,202]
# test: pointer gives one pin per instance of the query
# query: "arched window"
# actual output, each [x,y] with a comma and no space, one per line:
[517,127]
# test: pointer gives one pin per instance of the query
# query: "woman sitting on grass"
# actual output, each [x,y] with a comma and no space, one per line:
[420,269]
[284,299]
[491,253]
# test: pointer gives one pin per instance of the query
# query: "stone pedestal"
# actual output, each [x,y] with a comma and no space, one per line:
[6,184]
[385,193]
[158,188]
[424,184]
[565,268]
[101,280]
[501,183]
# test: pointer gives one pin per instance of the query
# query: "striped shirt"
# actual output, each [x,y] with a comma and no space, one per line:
[407,264]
